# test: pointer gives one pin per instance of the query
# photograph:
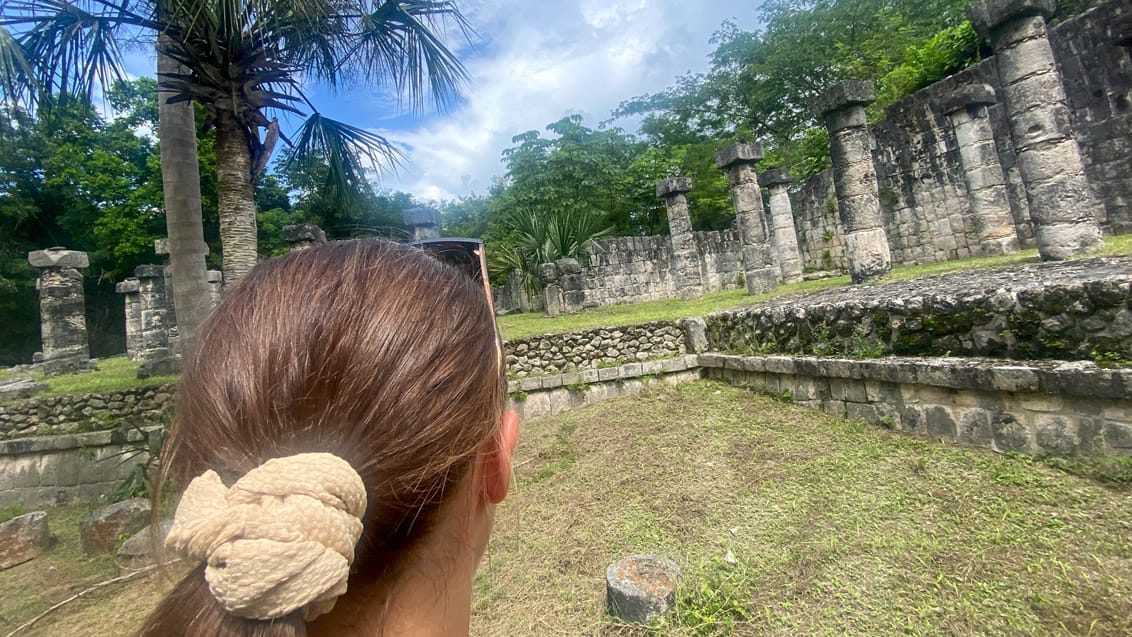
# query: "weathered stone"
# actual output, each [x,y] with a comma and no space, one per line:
[101,529]
[640,589]
[58,257]
[759,270]
[142,549]
[695,334]
[784,238]
[23,538]
[673,186]
[845,94]
[986,15]
[301,236]
[685,251]
[62,309]
[739,154]
[20,388]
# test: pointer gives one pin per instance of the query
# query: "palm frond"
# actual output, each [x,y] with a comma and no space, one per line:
[17,79]
[347,150]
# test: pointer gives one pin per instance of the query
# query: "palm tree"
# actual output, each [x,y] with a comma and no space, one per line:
[247,61]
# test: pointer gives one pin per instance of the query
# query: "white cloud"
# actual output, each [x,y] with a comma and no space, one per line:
[542,61]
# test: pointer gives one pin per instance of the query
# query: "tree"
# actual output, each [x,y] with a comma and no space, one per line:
[246,60]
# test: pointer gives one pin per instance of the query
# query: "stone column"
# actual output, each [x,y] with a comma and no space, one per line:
[855,178]
[966,109]
[551,291]
[303,235]
[156,349]
[62,309]
[784,239]
[759,270]
[689,276]
[132,300]
[421,223]
[1062,206]
[215,280]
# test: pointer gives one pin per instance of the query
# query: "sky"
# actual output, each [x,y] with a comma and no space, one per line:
[531,63]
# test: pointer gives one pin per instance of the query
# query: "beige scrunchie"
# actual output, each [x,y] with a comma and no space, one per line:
[282,538]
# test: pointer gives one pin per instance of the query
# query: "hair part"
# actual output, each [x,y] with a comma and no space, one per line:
[367,349]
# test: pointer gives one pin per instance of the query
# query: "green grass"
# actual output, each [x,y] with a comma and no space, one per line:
[515,326]
[113,374]
[786,521]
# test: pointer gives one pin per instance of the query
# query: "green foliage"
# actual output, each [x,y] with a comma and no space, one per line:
[9,511]
[950,50]
[538,238]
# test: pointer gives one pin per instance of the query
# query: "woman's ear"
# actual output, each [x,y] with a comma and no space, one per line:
[498,459]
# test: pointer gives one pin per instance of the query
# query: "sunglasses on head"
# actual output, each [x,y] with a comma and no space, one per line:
[466,255]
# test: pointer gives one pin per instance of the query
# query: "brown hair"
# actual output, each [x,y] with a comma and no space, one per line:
[366,349]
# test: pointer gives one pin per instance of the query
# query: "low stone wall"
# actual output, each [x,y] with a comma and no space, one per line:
[50,470]
[1074,310]
[71,413]
[592,349]
[534,397]
[1055,408]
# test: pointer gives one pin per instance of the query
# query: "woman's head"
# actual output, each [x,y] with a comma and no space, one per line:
[368,350]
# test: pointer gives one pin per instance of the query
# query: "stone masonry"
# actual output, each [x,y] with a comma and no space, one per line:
[866,243]
[156,319]
[1062,205]
[62,309]
[689,276]
[784,238]
[303,235]
[982,171]
[131,298]
[759,270]
[421,223]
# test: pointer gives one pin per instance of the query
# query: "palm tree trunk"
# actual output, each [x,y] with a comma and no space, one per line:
[180,178]
[236,195]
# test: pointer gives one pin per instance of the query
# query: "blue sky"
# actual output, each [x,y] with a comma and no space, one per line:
[533,63]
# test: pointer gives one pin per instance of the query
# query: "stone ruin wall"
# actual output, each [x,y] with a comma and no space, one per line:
[637,269]
[922,190]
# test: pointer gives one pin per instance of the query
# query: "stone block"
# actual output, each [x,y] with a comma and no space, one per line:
[975,427]
[551,382]
[968,95]
[58,258]
[674,186]
[142,549]
[631,370]
[640,589]
[774,177]
[940,422]
[161,247]
[863,412]
[214,276]
[844,94]
[695,334]
[608,373]
[1009,434]
[739,154]
[988,14]
[127,286]
[149,271]
[99,530]
[23,538]
[1056,434]
[1118,436]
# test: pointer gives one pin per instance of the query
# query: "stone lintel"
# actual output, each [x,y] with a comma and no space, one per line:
[739,154]
[774,177]
[845,94]
[988,14]
[161,247]
[420,216]
[58,258]
[214,276]
[968,95]
[674,186]
[149,271]
[303,232]
[127,286]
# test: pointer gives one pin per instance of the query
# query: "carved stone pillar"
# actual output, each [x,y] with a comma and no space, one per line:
[215,280]
[689,274]
[759,269]
[156,321]
[1063,208]
[421,223]
[784,238]
[132,301]
[854,176]
[62,309]
[982,170]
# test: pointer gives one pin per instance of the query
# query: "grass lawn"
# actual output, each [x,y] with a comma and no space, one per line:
[835,528]
[114,374]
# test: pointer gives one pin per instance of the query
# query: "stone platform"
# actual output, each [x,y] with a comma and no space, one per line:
[1070,310]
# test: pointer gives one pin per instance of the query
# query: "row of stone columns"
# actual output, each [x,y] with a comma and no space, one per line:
[1062,206]
[62,309]
[770,255]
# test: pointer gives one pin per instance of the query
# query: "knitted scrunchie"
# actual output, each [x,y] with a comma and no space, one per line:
[282,538]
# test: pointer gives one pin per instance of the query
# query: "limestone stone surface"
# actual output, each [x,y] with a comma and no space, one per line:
[784,236]
[988,14]
[673,186]
[58,258]
[303,235]
[845,94]
[156,320]
[641,588]
[143,549]
[749,153]
[20,388]
[685,252]
[986,182]
[23,538]
[760,272]
[101,529]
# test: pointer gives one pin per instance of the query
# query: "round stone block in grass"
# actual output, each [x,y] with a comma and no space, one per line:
[641,588]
